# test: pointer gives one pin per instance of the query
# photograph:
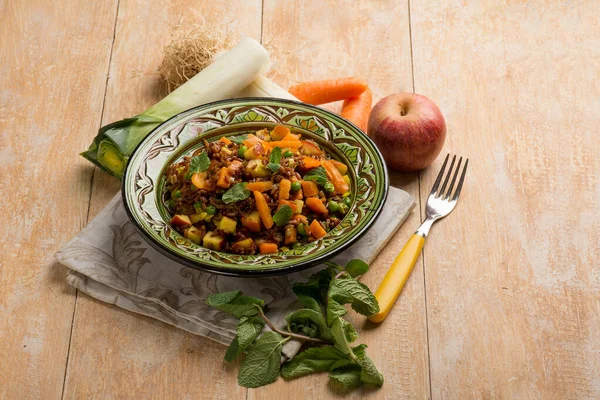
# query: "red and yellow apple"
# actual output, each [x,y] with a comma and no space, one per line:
[409,130]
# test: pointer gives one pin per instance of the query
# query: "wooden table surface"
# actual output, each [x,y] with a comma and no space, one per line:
[504,302]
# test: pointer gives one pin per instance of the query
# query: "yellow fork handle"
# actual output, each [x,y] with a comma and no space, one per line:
[396,277]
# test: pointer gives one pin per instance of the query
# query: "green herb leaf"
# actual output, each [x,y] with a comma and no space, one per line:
[200,163]
[248,330]
[357,267]
[315,359]
[238,192]
[316,286]
[283,215]
[348,376]
[235,303]
[369,373]
[318,175]
[349,331]
[308,322]
[309,302]
[340,341]
[343,291]
[261,365]
[275,159]
[238,139]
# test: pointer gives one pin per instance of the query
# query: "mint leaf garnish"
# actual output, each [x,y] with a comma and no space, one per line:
[261,365]
[200,163]
[235,303]
[344,291]
[308,322]
[357,267]
[238,139]
[318,175]
[315,359]
[283,215]
[248,330]
[347,376]
[238,192]
[275,159]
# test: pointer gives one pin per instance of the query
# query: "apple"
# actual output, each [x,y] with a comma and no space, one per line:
[409,130]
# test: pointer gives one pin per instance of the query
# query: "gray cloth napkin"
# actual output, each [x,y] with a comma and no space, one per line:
[111,262]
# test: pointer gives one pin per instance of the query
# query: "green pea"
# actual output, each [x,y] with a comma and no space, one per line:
[211,210]
[242,150]
[198,207]
[302,230]
[177,194]
[347,201]
[328,187]
[333,206]
[296,186]
[288,153]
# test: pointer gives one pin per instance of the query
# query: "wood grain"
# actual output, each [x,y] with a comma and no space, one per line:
[512,275]
[114,353]
[308,46]
[52,56]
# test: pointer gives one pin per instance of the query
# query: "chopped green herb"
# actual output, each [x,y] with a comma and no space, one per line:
[318,175]
[239,139]
[200,163]
[283,215]
[238,192]
[274,161]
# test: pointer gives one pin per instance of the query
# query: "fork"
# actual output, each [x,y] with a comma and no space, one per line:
[440,203]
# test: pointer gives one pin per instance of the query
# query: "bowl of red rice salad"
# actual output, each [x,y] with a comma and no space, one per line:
[256,186]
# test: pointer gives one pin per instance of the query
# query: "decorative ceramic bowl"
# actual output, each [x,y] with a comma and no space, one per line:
[144,180]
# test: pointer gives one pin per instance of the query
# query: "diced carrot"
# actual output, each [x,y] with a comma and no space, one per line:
[251,221]
[279,132]
[199,180]
[310,163]
[343,168]
[316,206]
[285,185]
[310,149]
[309,188]
[290,234]
[286,144]
[299,195]
[290,137]
[224,179]
[263,209]
[225,140]
[317,229]
[289,203]
[357,109]
[335,177]
[329,90]
[268,248]
[260,186]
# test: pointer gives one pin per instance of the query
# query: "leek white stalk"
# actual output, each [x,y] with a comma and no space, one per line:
[229,73]
[264,87]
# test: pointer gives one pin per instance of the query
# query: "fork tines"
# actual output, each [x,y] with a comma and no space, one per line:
[443,193]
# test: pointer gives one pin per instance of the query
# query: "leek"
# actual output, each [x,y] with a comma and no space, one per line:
[224,78]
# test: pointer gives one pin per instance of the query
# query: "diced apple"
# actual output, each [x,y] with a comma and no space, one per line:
[279,132]
[310,149]
[181,221]
[255,152]
[213,241]
[299,206]
[194,234]
[227,225]
[257,169]
[252,221]
[244,245]
[197,217]
[343,168]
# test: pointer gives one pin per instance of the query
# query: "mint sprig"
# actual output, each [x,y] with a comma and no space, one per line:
[200,163]
[319,322]
[238,192]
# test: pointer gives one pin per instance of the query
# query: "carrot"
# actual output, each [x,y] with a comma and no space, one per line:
[357,109]
[225,140]
[310,149]
[343,168]
[326,91]
[289,144]
[279,132]
[316,206]
[199,180]
[290,137]
[288,203]
[259,186]
[317,229]
[310,163]
[263,209]
[299,195]
[309,188]
[284,189]
[300,219]
[224,179]
[268,248]
[335,177]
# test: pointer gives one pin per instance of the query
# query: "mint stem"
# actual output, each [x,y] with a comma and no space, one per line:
[262,315]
